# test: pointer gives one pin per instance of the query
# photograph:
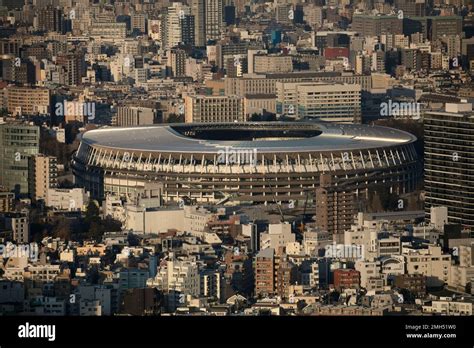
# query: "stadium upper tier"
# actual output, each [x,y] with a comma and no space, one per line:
[251,162]
[265,137]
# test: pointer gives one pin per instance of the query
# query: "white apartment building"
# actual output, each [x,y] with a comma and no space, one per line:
[368,270]
[388,246]
[321,101]
[428,262]
[278,235]
[449,307]
[463,274]
[314,240]
[74,199]
[180,276]
[90,308]
[393,265]
[196,218]
[113,207]
[44,273]
[142,220]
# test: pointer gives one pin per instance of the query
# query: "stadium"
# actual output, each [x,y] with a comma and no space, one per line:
[253,162]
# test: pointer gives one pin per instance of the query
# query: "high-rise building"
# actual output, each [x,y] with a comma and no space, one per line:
[229,14]
[264,63]
[335,208]
[274,273]
[449,162]
[28,100]
[327,102]
[214,20]
[177,62]
[108,30]
[50,19]
[138,22]
[313,15]
[198,10]
[411,8]
[17,142]
[180,276]
[200,108]
[264,265]
[72,68]
[439,26]
[42,175]
[377,25]
[20,226]
[172,25]
[284,13]
[6,201]
[411,59]
[187,30]
[135,116]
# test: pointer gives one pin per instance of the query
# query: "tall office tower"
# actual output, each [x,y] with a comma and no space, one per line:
[177,62]
[449,162]
[229,14]
[335,208]
[284,13]
[264,265]
[377,25]
[198,10]
[411,8]
[42,175]
[187,30]
[411,59]
[214,21]
[138,22]
[72,68]
[172,34]
[440,26]
[18,141]
[50,19]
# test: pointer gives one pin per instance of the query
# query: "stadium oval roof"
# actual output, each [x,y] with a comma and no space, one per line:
[267,137]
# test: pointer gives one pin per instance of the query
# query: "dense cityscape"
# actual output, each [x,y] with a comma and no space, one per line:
[236,158]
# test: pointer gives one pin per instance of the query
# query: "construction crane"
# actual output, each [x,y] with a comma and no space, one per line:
[302,224]
[282,217]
